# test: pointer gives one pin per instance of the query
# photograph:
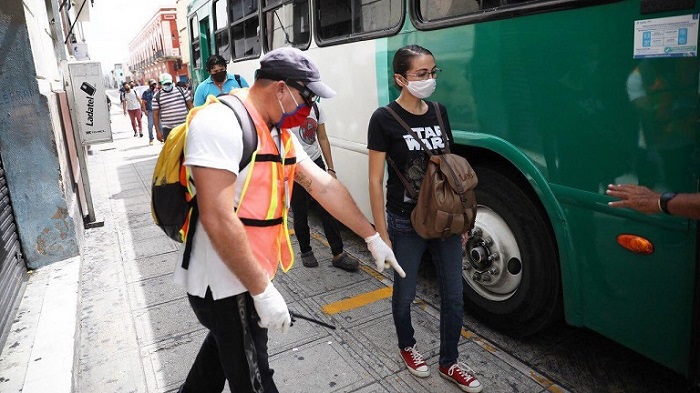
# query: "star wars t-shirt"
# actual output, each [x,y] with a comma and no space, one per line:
[385,134]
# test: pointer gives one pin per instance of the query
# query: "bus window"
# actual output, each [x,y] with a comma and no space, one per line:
[221,37]
[244,29]
[343,19]
[434,10]
[286,24]
[439,9]
[196,53]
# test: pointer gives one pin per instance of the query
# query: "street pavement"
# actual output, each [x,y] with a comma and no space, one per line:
[113,321]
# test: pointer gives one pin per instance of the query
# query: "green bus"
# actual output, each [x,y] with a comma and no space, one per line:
[551,101]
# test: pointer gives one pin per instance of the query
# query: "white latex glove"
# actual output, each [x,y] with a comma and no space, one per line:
[383,255]
[272,309]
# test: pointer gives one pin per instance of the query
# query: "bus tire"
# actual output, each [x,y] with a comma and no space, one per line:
[510,262]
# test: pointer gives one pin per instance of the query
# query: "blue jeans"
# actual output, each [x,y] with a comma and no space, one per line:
[447,256]
[150,125]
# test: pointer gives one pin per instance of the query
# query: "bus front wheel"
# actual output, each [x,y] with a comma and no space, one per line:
[510,265]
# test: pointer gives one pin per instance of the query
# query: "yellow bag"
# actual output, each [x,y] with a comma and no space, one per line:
[173,203]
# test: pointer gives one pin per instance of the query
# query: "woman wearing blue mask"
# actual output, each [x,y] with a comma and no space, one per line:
[415,75]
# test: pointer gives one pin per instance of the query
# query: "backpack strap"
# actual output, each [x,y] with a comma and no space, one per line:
[238,79]
[316,112]
[442,127]
[410,131]
[250,143]
[190,233]
[250,136]
[182,94]
[411,191]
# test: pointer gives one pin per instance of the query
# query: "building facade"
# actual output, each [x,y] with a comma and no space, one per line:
[156,49]
[41,220]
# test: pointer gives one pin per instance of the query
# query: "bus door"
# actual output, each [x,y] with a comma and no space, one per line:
[199,41]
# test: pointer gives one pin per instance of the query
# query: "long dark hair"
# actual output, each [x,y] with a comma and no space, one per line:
[403,58]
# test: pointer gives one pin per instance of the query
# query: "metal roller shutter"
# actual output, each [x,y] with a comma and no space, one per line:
[13,271]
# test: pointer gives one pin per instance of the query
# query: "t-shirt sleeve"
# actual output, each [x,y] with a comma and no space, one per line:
[199,97]
[376,137]
[244,83]
[154,102]
[214,139]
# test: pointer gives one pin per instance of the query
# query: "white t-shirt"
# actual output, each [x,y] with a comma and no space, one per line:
[132,100]
[214,140]
[306,133]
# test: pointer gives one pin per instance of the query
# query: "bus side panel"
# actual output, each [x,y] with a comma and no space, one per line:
[564,89]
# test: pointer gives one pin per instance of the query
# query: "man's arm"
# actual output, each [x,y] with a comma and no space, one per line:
[156,122]
[215,197]
[189,104]
[647,201]
[325,145]
[124,106]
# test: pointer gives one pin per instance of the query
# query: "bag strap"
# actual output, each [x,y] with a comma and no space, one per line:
[190,234]
[238,79]
[315,107]
[411,191]
[406,184]
[442,127]
[250,143]
[250,136]
[182,94]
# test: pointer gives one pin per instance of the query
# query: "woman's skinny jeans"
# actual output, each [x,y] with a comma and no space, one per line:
[447,257]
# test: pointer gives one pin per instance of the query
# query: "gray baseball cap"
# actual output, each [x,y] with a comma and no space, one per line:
[291,63]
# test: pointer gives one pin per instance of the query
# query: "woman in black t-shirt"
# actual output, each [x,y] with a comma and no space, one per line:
[415,74]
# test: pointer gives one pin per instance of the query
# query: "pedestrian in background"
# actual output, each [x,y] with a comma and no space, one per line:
[147,106]
[132,105]
[242,234]
[415,75]
[219,81]
[170,106]
[313,138]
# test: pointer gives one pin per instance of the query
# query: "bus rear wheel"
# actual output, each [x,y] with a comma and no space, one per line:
[510,265]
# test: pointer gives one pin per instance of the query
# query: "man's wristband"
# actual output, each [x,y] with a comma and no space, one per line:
[330,170]
[664,199]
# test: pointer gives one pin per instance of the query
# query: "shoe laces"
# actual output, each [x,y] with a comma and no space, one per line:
[417,358]
[465,371]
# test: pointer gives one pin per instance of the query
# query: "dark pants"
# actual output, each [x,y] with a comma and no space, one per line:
[165,131]
[222,355]
[301,201]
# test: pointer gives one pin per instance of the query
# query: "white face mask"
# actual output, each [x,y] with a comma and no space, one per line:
[422,89]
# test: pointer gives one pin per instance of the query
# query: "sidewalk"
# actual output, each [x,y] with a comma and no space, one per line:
[113,321]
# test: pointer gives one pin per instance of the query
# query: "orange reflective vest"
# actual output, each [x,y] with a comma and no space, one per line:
[264,201]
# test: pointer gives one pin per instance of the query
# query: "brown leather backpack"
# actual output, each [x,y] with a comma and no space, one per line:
[446,203]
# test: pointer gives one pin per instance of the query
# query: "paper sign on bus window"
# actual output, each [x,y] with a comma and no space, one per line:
[676,36]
